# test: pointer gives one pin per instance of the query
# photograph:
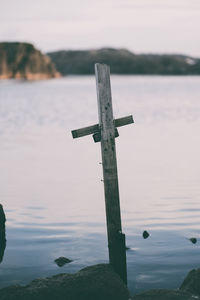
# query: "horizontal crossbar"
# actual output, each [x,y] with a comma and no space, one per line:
[95,128]
[123,121]
[85,131]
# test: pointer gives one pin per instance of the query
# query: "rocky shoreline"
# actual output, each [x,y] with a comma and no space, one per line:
[98,282]
[24,61]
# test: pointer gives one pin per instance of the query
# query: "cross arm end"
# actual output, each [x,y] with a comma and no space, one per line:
[85,131]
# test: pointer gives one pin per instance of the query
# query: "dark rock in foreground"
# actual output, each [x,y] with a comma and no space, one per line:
[97,282]
[22,60]
[189,290]
[192,282]
[2,218]
[164,294]
[2,233]
[61,261]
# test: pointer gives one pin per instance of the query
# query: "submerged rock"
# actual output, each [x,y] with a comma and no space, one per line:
[61,261]
[145,234]
[193,240]
[97,282]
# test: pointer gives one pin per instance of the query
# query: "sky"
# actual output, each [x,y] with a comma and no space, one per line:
[142,26]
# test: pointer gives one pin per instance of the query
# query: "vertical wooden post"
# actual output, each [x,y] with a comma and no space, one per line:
[116,239]
[106,131]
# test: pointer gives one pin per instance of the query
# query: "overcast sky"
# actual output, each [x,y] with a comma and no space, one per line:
[142,26]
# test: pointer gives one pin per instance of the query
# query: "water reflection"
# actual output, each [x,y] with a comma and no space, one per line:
[49,176]
[2,233]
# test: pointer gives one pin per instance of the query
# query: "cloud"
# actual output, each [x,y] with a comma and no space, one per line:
[140,25]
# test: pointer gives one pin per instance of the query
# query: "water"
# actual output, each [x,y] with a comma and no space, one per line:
[51,185]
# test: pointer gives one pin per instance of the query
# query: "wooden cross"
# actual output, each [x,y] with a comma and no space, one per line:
[106,132]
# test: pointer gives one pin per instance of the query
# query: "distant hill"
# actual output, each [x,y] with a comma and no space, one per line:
[122,61]
[22,60]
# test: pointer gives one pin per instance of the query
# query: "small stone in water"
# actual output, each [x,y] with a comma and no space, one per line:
[145,234]
[61,261]
[193,240]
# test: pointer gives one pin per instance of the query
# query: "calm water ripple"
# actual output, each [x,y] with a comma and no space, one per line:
[51,185]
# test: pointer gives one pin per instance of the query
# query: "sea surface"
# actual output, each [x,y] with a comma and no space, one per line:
[51,188]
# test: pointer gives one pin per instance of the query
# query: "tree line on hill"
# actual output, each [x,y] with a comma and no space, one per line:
[24,61]
[122,61]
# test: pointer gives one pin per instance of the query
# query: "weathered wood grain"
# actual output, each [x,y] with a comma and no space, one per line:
[116,240]
[106,132]
[123,121]
[85,131]
[95,128]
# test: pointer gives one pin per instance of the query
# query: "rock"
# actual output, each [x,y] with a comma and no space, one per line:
[97,282]
[193,240]
[2,223]
[145,234]
[2,218]
[2,233]
[22,60]
[2,248]
[61,261]
[164,294]
[192,282]
[189,290]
